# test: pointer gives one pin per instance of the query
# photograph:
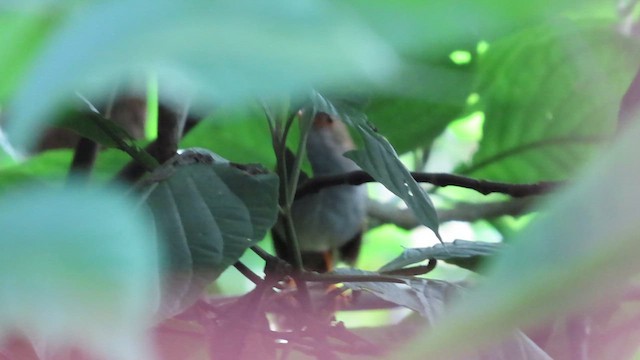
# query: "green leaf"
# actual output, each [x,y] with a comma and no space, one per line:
[428,27]
[85,124]
[52,167]
[236,51]
[209,212]
[466,254]
[236,134]
[550,97]
[422,121]
[21,36]
[380,160]
[582,252]
[431,298]
[423,99]
[73,255]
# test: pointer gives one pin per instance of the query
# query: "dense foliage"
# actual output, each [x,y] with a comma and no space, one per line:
[507,226]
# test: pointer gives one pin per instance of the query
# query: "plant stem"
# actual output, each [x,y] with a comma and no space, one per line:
[127,145]
[289,182]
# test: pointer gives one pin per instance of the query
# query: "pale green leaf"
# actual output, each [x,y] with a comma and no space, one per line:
[582,252]
[550,97]
[218,52]
[78,267]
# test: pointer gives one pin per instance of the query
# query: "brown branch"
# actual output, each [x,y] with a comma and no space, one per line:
[437,179]
[337,278]
[248,273]
[134,170]
[84,157]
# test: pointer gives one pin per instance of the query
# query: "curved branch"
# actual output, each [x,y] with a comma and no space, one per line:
[388,213]
[437,179]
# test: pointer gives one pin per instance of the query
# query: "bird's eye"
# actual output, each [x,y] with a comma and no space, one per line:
[323,119]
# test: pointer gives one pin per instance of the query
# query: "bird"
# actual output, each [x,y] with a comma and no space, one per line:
[328,224]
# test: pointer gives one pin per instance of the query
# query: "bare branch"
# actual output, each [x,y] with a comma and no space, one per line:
[387,213]
[170,127]
[437,179]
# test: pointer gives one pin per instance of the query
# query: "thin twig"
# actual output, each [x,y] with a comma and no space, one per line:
[337,278]
[305,125]
[170,126]
[262,253]
[414,270]
[437,179]
[244,270]
[288,123]
[288,186]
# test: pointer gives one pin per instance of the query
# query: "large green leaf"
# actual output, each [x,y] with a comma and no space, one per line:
[430,26]
[380,160]
[466,254]
[21,36]
[208,212]
[424,97]
[78,268]
[582,252]
[215,52]
[550,97]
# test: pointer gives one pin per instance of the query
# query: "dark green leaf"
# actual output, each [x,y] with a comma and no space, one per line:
[550,96]
[85,124]
[466,254]
[380,160]
[209,212]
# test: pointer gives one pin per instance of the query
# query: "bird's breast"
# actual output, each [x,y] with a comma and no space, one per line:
[330,218]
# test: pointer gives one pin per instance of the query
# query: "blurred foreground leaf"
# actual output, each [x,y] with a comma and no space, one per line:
[77,268]
[225,52]
[583,251]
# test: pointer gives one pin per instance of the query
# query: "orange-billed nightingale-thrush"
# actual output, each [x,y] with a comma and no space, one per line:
[328,224]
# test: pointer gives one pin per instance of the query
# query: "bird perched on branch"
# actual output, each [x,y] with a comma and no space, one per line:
[328,224]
